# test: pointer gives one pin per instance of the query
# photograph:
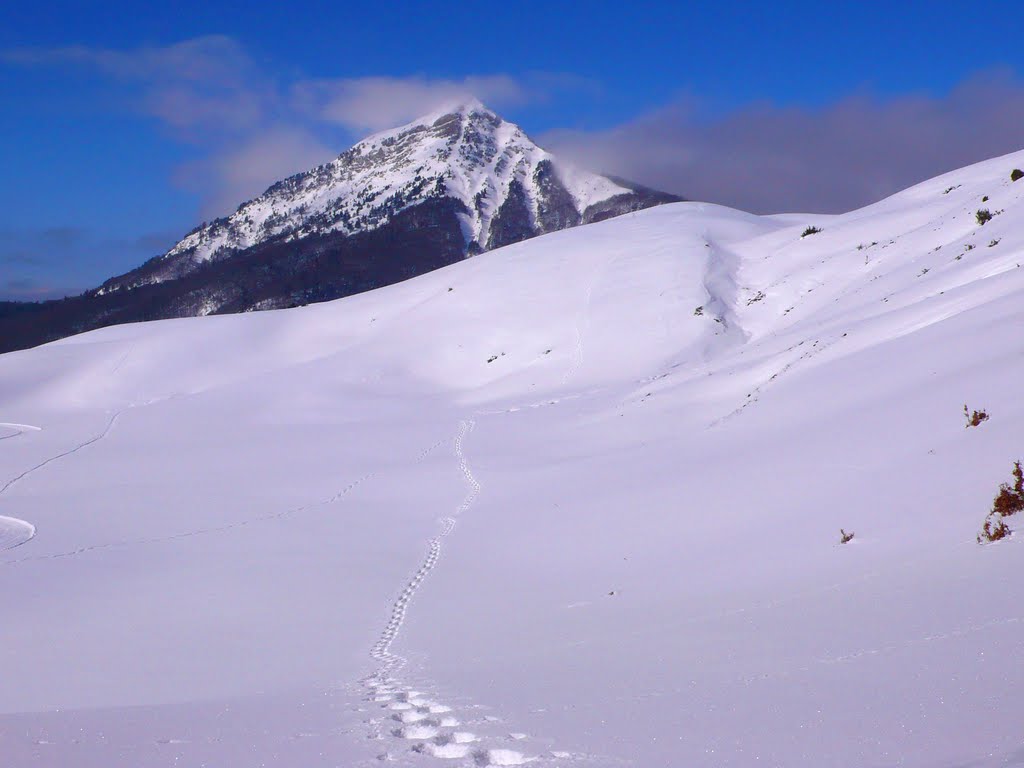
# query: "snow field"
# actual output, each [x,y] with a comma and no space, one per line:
[632,542]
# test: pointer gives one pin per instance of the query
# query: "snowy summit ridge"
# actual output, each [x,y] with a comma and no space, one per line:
[505,186]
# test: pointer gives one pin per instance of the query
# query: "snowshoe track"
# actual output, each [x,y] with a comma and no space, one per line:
[410,719]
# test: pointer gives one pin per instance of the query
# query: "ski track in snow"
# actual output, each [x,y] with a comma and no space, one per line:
[412,719]
[337,496]
[14,532]
[581,316]
[76,449]
[17,429]
[889,648]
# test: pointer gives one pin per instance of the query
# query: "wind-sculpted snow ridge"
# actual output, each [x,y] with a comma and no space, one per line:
[14,532]
[9,430]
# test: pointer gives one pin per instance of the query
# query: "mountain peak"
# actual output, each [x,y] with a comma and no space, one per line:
[465,105]
[494,184]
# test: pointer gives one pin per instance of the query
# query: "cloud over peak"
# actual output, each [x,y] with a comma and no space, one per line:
[767,158]
[253,127]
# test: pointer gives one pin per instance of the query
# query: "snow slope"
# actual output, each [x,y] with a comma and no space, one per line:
[575,501]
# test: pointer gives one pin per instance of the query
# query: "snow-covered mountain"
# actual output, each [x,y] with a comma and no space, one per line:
[403,202]
[574,502]
[505,189]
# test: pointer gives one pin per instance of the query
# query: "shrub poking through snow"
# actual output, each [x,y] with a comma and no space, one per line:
[1016,174]
[811,231]
[982,215]
[974,418]
[993,531]
[844,537]
[1008,502]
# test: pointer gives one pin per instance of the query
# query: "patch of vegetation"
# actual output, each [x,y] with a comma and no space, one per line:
[984,199]
[756,297]
[812,230]
[974,418]
[983,215]
[993,242]
[1008,502]
[844,537]
[698,311]
[1016,174]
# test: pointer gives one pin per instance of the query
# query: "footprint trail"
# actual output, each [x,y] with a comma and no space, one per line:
[411,720]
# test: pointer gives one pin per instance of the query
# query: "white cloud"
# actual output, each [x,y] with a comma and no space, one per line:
[767,158]
[375,103]
[242,171]
[254,128]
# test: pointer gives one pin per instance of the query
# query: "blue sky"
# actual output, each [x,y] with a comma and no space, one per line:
[124,126]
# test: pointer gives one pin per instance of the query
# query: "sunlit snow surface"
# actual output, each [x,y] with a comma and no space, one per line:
[572,502]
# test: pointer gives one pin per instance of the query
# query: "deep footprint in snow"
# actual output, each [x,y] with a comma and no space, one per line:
[412,716]
[419,731]
[448,746]
[496,757]
[449,751]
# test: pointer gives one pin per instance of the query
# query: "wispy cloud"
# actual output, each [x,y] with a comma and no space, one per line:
[254,127]
[242,170]
[373,103]
[767,158]
[207,83]
[199,59]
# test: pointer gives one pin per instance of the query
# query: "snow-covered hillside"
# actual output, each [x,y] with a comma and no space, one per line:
[574,502]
